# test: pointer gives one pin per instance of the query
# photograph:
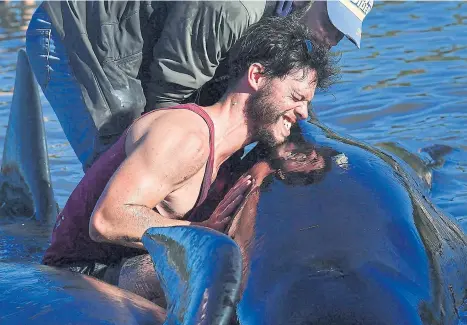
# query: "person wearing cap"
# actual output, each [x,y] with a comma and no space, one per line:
[331,20]
[101,64]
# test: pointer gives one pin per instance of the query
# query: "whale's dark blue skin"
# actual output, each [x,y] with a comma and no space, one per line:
[42,295]
[25,183]
[361,245]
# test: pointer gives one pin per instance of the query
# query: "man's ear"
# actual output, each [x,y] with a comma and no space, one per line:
[256,77]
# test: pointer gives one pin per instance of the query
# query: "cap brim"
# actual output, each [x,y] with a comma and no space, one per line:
[345,21]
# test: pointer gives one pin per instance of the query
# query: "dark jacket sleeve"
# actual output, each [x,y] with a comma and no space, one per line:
[195,39]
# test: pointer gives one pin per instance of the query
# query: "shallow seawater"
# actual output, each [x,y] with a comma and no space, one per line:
[407,85]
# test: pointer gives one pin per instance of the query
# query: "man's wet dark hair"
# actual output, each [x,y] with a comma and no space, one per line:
[279,44]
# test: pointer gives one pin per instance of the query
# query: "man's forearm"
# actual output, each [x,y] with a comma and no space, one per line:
[129,227]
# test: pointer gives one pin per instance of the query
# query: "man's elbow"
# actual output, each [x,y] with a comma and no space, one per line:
[100,228]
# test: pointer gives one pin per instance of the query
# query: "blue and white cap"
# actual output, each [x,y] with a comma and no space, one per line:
[347,16]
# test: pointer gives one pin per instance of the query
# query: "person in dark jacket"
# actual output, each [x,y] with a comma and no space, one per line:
[101,64]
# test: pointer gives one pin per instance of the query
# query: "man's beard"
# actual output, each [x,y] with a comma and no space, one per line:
[261,113]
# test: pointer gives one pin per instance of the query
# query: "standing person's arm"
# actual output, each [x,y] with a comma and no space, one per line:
[195,39]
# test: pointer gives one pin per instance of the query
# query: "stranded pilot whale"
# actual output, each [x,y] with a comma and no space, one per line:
[337,232]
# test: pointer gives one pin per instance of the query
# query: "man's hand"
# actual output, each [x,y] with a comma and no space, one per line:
[232,200]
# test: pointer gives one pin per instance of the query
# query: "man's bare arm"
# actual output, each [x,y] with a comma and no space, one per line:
[165,157]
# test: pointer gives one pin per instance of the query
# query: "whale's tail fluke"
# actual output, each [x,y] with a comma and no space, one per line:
[25,183]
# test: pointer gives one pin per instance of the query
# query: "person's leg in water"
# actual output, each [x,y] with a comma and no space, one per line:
[50,63]
[137,274]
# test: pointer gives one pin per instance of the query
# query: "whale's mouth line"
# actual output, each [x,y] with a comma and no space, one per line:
[327,273]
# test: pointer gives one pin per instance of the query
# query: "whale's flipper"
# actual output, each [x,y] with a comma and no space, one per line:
[25,184]
[199,270]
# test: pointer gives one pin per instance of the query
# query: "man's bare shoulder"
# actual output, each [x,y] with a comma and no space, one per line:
[183,125]
[178,140]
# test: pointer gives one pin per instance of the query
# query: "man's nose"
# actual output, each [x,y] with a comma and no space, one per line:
[339,36]
[332,38]
[336,38]
[330,41]
[302,111]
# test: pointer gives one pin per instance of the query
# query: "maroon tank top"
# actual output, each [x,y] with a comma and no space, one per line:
[70,237]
